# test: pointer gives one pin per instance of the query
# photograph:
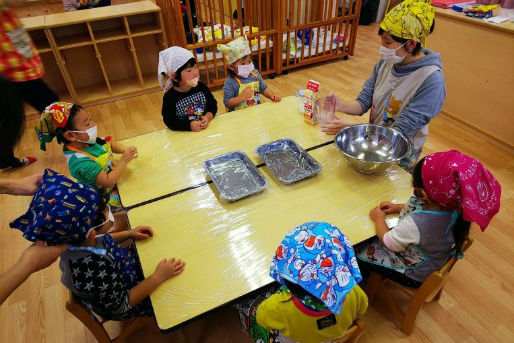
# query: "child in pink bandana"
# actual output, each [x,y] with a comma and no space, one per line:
[451,190]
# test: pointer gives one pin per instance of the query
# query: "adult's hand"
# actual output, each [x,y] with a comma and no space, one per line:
[24,186]
[332,127]
[36,257]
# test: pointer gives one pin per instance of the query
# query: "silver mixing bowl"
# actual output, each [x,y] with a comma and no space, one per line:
[371,149]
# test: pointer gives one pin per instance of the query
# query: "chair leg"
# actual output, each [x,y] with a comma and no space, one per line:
[374,281]
[132,326]
[96,328]
[361,327]
[438,295]
[412,312]
[181,336]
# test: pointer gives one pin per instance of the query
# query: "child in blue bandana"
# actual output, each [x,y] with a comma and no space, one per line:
[318,271]
[105,277]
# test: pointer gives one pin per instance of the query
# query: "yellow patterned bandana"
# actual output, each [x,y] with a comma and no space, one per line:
[235,50]
[411,19]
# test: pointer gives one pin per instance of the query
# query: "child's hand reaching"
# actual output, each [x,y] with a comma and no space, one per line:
[166,269]
[141,233]
[388,207]
[376,214]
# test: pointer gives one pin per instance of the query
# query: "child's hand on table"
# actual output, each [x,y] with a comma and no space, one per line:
[129,154]
[206,119]
[133,149]
[376,214]
[388,207]
[141,233]
[275,98]
[166,269]
[197,125]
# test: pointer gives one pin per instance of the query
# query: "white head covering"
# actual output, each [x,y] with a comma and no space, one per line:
[170,60]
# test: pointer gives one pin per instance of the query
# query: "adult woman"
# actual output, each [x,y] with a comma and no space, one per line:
[407,87]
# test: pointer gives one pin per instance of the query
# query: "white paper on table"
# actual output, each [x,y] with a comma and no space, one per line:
[496,20]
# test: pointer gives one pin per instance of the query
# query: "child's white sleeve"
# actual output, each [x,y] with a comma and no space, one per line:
[402,235]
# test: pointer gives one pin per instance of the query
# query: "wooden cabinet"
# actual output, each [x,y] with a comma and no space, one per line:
[99,55]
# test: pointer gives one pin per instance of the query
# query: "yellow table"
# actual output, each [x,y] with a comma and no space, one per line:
[170,161]
[228,246]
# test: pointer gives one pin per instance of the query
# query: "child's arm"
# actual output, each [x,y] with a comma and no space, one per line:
[166,269]
[397,239]
[378,217]
[270,95]
[169,115]
[388,207]
[139,233]
[212,105]
[110,179]
[246,94]
[119,148]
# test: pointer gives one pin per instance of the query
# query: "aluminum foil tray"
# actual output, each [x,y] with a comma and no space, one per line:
[235,176]
[287,161]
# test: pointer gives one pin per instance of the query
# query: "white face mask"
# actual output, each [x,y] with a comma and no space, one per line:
[245,70]
[91,132]
[192,82]
[110,218]
[389,55]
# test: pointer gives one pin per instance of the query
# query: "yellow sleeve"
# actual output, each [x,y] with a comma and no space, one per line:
[354,307]
[362,302]
[269,315]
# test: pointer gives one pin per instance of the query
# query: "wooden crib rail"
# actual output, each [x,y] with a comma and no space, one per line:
[284,34]
[316,31]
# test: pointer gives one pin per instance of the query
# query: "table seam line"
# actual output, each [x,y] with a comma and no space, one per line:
[190,188]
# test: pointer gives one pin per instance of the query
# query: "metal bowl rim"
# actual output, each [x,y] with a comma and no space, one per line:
[372,125]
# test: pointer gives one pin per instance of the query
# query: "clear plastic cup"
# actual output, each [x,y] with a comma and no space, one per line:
[326,111]
[300,96]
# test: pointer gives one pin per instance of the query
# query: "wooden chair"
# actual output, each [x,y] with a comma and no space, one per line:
[353,333]
[97,326]
[430,290]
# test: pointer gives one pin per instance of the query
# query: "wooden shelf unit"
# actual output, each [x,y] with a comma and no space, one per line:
[101,54]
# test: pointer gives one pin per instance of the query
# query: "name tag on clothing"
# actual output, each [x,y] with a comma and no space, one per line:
[326,322]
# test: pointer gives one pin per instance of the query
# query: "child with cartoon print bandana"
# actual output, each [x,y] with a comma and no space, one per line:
[319,298]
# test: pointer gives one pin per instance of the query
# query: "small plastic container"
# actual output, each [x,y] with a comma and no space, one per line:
[300,96]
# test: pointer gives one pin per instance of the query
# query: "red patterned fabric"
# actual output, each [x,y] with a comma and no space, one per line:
[457,181]
[19,60]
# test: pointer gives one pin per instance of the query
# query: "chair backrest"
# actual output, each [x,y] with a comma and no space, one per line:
[94,325]
[353,333]
[439,278]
